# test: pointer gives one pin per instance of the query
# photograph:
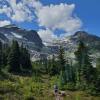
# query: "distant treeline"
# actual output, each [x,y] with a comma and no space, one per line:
[15,58]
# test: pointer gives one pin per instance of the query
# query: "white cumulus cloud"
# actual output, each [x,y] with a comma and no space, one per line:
[59,17]
[47,35]
[21,12]
[51,17]
[17,11]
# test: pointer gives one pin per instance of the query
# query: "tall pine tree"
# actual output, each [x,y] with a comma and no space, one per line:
[62,64]
[85,70]
[54,69]
[1,55]
[61,59]
[6,50]
[25,61]
[14,58]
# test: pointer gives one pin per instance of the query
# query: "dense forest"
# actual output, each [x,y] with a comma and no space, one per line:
[78,76]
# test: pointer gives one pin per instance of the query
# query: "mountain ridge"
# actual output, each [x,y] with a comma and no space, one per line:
[34,43]
[27,37]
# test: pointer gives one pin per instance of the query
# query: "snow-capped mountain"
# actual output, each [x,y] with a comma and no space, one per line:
[33,42]
[29,38]
[70,44]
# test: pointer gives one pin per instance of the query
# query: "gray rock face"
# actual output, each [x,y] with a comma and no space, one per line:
[70,43]
[33,42]
[29,38]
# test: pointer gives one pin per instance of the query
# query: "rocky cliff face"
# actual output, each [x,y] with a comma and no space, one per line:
[33,42]
[70,43]
[29,38]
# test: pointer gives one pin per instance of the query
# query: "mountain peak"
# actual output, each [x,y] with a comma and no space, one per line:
[29,38]
[81,34]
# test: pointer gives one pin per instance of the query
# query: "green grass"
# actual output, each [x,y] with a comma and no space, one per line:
[14,87]
[18,87]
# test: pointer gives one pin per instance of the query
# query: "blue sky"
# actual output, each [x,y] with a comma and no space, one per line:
[87,10]
[84,13]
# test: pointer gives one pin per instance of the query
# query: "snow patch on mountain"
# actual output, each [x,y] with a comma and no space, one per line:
[16,35]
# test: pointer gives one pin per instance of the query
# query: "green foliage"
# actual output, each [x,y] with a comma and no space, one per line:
[61,59]
[98,65]
[67,74]
[69,86]
[82,76]
[62,63]
[97,84]
[53,64]
[25,62]
[85,71]
[62,79]
[45,73]
[19,59]
[6,51]
[1,60]
[14,58]
[94,89]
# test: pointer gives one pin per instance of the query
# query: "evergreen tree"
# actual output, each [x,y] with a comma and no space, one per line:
[44,63]
[69,72]
[6,50]
[0,55]
[25,60]
[61,59]
[14,58]
[62,68]
[97,78]
[54,70]
[72,72]
[79,58]
[85,71]
[98,64]
[97,85]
